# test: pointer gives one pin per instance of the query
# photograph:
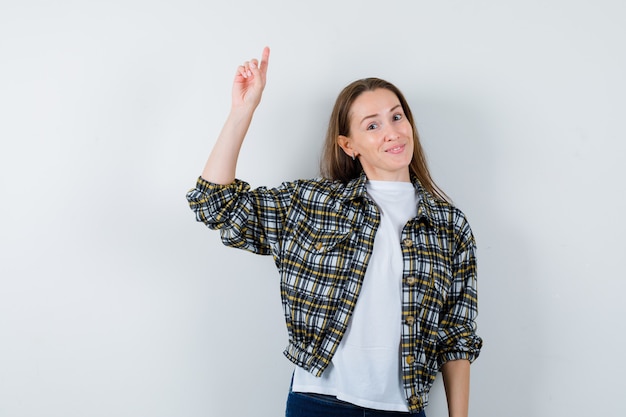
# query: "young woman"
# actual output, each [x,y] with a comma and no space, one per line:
[378,269]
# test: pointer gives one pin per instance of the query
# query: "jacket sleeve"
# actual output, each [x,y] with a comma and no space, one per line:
[457,328]
[247,219]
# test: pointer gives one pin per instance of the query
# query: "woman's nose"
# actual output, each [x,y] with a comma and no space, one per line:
[390,134]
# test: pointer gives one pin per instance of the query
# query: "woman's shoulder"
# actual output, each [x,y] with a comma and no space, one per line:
[318,187]
[446,214]
[321,193]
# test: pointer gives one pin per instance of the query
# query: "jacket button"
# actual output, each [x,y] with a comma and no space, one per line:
[410,359]
[410,281]
[407,242]
[318,246]
[410,320]
[414,400]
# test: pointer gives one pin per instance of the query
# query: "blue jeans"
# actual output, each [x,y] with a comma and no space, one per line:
[301,404]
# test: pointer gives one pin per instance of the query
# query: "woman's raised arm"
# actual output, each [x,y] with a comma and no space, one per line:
[248,87]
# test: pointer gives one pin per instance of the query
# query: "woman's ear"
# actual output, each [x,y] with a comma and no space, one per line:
[344,143]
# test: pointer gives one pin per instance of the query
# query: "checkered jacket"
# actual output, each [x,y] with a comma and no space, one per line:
[321,234]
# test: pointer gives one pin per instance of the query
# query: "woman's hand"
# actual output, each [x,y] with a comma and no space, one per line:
[247,90]
[250,82]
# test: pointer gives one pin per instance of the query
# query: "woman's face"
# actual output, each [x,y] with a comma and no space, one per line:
[380,136]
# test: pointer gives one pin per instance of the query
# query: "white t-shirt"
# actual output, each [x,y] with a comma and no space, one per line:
[366,367]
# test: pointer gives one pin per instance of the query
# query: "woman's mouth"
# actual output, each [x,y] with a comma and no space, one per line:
[396,149]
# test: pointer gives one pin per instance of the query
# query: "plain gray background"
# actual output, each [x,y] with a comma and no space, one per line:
[114,302]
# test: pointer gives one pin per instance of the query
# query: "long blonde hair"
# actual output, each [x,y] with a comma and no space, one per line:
[336,165]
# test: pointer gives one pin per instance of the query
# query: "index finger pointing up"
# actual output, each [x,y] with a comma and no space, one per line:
[265,59]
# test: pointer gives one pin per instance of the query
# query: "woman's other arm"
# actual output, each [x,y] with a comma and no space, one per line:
[248,87]
[456,380]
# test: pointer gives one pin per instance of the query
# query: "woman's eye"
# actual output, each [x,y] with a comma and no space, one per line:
[397,116]
[372,126]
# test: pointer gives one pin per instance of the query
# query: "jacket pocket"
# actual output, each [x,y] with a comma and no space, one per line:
[317,238]
[316,261]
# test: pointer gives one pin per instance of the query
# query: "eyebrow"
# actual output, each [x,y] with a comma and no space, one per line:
[374,115]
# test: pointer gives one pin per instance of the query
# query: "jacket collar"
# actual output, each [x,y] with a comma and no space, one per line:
[355,188]
[428,207]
